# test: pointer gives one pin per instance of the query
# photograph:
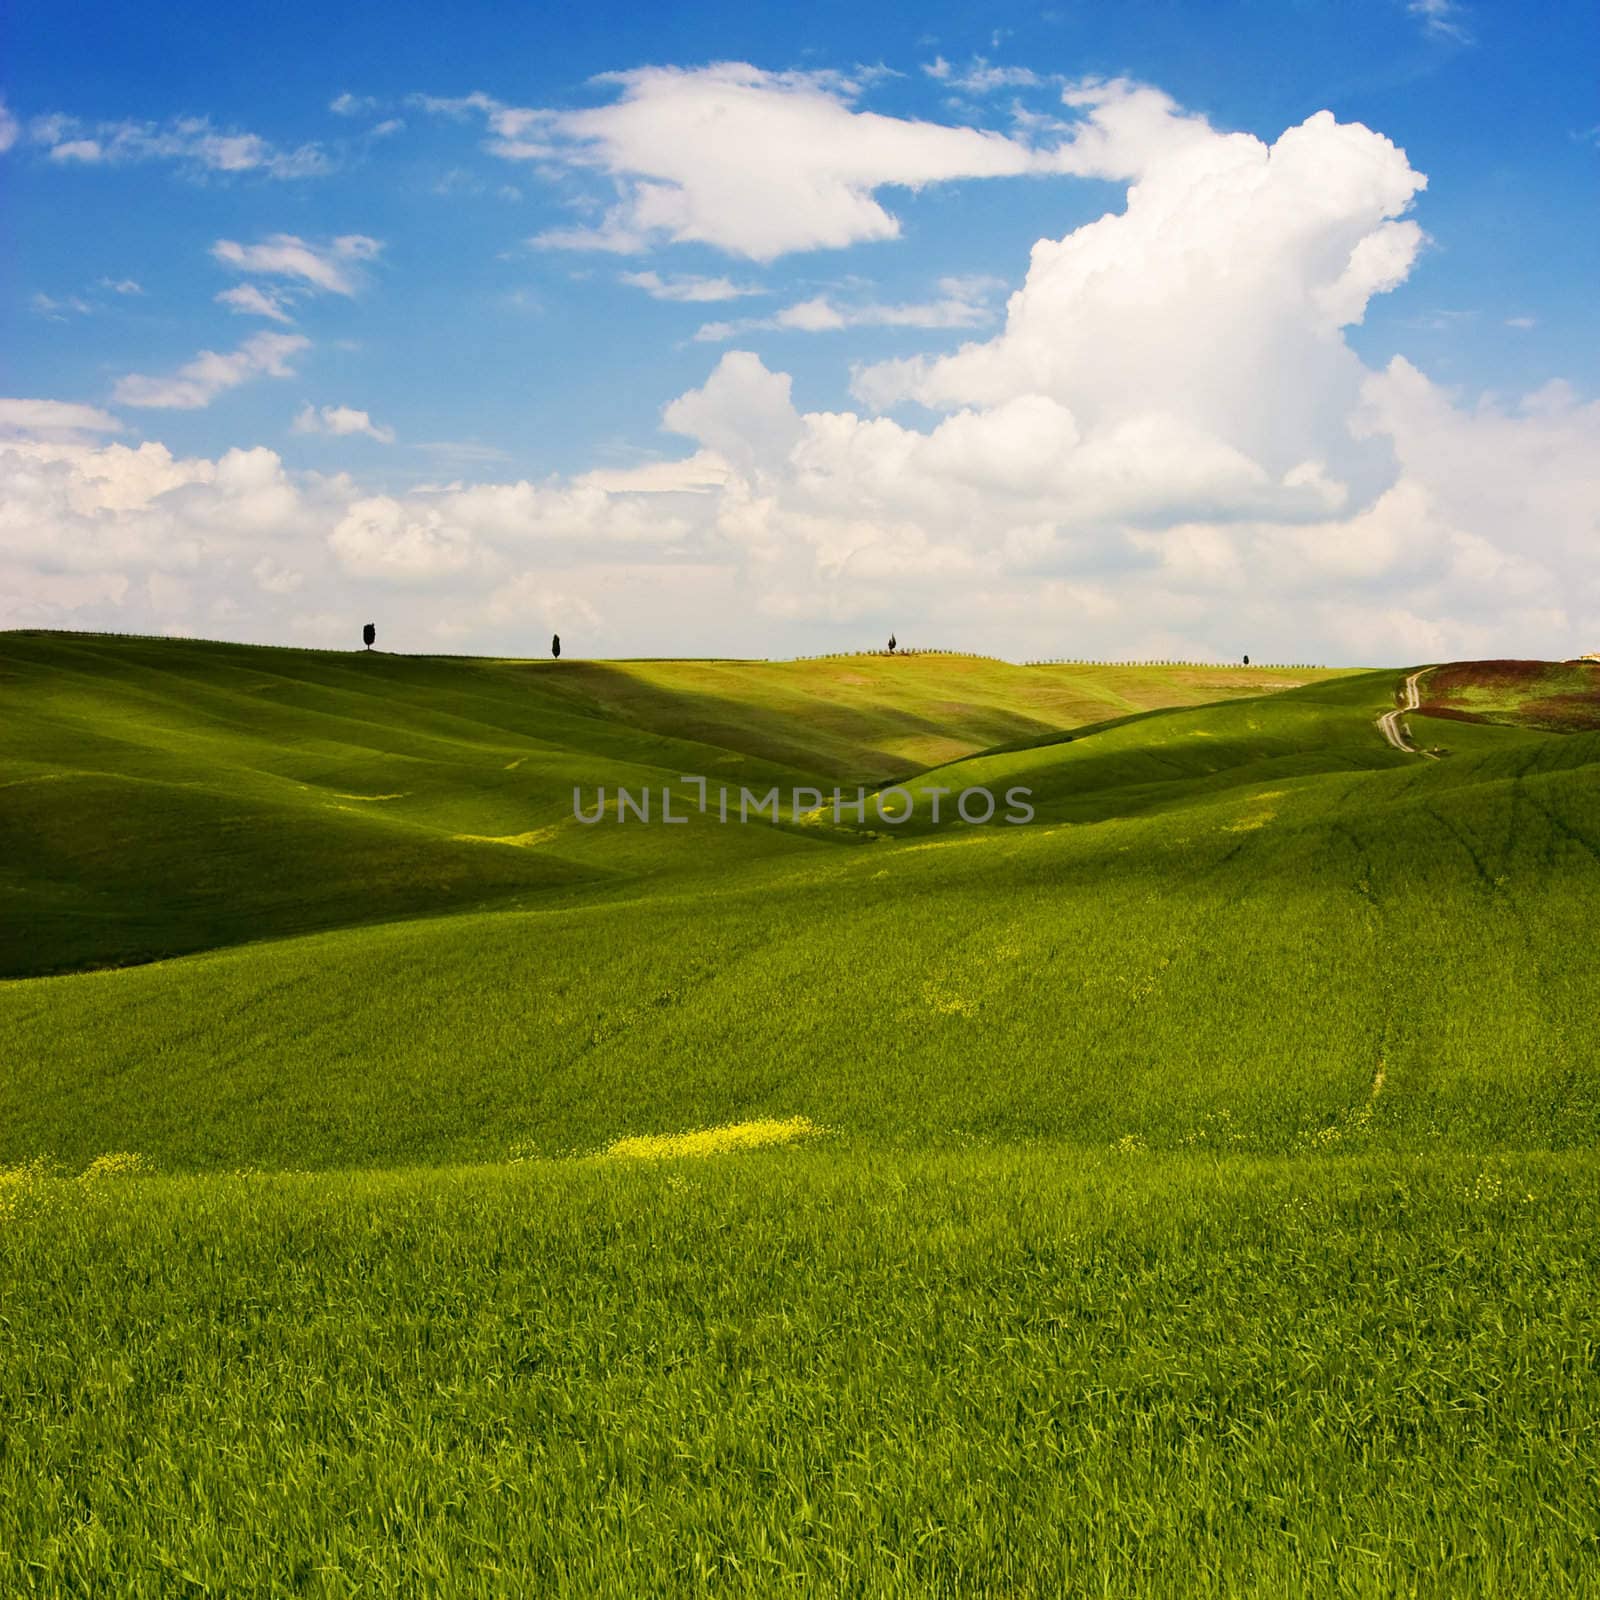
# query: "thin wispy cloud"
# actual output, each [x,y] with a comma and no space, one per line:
[962,303]
[979,77]
[54,419]
[193,143]
[350,106]
[332,268]
[1441,19]
[58,310]
[61,307]
[198,382]
[251,300]
[463,452]
[688,289]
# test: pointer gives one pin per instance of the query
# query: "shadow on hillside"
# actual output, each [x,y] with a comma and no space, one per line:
[389,702]
[815,737]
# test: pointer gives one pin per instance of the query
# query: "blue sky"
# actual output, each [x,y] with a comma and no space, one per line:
[457,249]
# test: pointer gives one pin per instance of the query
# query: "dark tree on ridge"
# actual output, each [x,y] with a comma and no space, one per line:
[368,635]
[891,644]
[555,645]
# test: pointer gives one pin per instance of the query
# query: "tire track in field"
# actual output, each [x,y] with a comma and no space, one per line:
[1390,725]
[1559,824]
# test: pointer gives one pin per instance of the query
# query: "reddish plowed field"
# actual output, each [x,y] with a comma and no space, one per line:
[1561,696]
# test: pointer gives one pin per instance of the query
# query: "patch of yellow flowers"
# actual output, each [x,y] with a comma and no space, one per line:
[21,1187]
[1260,817]
[711,1141]
[118,1164]
[25,1189]
[947,1002]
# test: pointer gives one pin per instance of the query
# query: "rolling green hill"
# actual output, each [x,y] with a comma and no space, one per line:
[1197,1192]
[336,789]
[1237,914]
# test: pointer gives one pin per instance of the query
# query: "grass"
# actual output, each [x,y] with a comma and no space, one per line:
[1034,1372]
[1191,1192]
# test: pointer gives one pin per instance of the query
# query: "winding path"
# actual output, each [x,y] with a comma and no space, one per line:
[1390,725]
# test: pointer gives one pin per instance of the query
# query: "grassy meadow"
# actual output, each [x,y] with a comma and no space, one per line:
[1190,1192]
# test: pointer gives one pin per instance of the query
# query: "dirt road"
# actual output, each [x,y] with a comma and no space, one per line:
[1390,725]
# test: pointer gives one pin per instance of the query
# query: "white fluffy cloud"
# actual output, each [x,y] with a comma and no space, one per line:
[676,144]
[786,530]
[1195,337]
[1169,447]
[680,141]
[483,530]
[128,513]
[198,382]
[383,538]
[744,413]
[341,422]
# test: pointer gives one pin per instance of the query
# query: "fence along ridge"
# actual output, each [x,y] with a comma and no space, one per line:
[1122,661]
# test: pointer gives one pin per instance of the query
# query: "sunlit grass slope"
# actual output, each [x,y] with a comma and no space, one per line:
[1146,761]
[1252,925]
[875,716]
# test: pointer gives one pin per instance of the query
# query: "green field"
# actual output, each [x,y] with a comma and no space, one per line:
[1201,1197]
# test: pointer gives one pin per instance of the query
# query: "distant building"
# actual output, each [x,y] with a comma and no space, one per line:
[1594,655]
